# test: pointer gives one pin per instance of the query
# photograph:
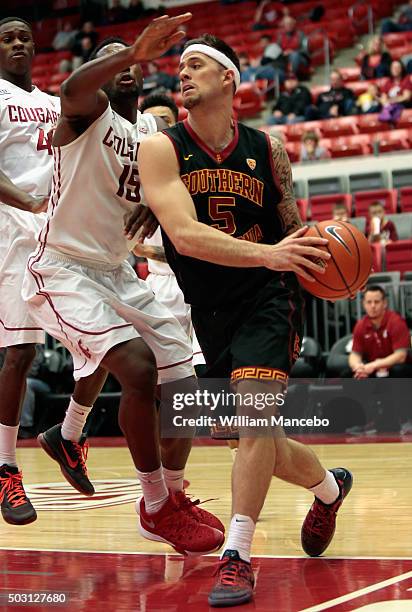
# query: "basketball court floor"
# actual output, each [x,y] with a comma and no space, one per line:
[88,555]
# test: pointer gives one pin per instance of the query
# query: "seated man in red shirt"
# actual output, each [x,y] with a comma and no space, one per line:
[378,228]
[381,340]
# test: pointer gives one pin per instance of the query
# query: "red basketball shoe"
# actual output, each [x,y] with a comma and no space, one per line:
[235,582]
[320,522]
[177,527]
[201,515]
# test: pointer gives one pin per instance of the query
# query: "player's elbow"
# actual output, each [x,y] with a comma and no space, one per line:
[182,241]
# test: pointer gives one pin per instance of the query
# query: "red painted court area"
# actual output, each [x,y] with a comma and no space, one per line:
[168,583]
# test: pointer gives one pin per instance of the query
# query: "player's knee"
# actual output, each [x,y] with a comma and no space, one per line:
[138,369]
[19,358]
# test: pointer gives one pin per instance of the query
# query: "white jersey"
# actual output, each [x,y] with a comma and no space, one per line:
[157,267]
[27,119]
[95,183]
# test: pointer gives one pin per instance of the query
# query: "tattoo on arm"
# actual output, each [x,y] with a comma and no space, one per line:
[287,209]
[150,252]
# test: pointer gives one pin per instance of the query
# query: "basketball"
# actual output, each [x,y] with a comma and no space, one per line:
[350,264]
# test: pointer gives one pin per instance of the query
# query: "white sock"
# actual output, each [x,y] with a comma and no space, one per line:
[327,490]
[74,421]
[240,537]
[8,441]
[154,488]
[174,479]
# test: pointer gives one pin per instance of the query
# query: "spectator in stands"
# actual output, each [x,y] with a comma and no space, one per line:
[273,62]
[311,150]
[339,212]
[158,80]
[294,46]
[378,227]
[135,10]
[247,70]
[268,14]
[376,63]
[87,31]
[161,106]
[381,340]
[64,38]
[396,94]
[336,102]
[116,13]
[291,105]
[404,23]
[369,101]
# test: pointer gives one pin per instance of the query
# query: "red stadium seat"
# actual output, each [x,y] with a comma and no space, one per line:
[351,73]
[293,151]
[394,140]
[362,200]
[321,206]
[296,131]
[406,119]
[370,124]
[344,126]
[377,252]
[399,256]
[405,199]
[248,100]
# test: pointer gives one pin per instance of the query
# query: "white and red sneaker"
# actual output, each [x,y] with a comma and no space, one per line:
[175,526]
[200,514]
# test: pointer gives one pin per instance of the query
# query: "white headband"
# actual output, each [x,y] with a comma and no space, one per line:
[216,55]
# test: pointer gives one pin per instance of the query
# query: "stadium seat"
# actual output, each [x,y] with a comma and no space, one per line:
[296,131]
[359,222]
[370,124]
[352,73]
[377,256]
[393,140]
[388,197]
[405,194]
[321,206]
[248,100]
[399,256]
[366,181]
[403,224]
[344,126]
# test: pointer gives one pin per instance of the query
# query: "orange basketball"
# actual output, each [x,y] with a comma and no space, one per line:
[350,264]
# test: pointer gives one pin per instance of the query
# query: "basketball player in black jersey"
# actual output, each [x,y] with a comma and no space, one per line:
[223,195]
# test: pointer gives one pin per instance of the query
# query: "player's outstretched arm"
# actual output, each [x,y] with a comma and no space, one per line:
[80,93]
[11,195]
[173,206]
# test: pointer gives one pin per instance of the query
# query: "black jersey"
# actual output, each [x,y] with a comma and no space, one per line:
[234,191]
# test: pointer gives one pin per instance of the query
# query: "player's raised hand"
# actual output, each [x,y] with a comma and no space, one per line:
[159,36]
[298,253]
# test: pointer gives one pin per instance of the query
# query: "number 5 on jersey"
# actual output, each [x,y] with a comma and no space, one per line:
[225,219]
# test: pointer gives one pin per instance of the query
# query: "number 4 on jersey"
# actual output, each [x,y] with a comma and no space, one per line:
[45,141]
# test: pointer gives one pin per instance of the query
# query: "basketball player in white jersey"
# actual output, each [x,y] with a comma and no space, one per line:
[82,291]
[161,278]
[27,117]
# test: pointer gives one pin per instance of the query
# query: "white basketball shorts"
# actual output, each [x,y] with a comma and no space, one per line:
[92,308]
[167,291]
[18,230]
